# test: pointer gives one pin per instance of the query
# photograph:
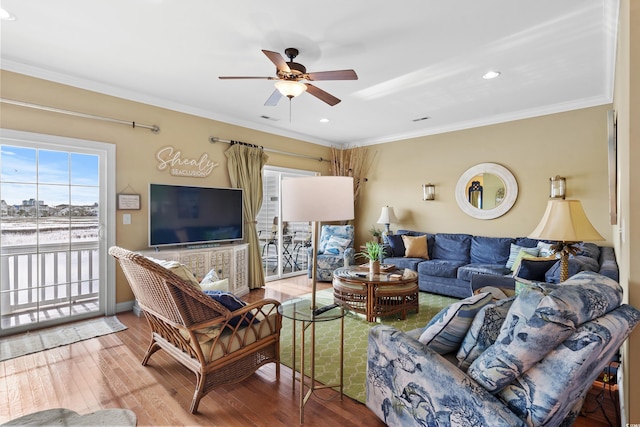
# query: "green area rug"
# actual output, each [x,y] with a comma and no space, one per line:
[356,333]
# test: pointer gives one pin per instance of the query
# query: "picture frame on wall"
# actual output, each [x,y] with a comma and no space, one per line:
[612,144]
[128,201]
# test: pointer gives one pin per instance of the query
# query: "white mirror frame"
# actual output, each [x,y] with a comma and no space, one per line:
[510,184]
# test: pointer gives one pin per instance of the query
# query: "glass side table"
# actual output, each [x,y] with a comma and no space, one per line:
[299,310]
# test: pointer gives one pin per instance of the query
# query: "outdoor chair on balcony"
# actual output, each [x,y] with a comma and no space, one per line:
[218,345]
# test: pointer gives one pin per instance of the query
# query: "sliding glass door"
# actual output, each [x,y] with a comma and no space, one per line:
[52,228]
[283,245]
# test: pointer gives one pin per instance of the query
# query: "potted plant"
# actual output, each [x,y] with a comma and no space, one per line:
[376,233]
[373,251]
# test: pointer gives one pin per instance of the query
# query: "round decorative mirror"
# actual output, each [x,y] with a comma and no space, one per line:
[486,191]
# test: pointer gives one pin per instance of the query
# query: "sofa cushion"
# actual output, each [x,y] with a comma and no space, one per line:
[440,268]
[467,271]
[540,318]
[447,329]
[590,250]
[490,250]
[566,369]
[452,247]
[402,262]
[514,252]
[483,331]
[415,246]
[396,244]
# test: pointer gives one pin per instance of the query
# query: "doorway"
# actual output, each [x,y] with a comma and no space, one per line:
[54,232]
[284,246]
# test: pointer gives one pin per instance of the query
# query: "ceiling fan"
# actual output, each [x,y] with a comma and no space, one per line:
[292,78]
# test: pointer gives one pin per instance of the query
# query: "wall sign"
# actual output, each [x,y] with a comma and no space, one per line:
[128,201]
[172,160]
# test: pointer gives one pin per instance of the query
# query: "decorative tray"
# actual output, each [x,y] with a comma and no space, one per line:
[383,267]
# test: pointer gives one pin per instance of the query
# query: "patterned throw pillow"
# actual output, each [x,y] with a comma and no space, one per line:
[515,251]
[180,270]
[447,329]
[415,246]
[336,245]
[483,331]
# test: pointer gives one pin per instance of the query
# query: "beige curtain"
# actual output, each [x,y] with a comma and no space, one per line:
[245,170]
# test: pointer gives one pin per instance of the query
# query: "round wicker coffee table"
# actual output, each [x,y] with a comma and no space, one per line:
[376,295]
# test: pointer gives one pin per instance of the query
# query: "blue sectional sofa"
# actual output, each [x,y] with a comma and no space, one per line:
[454,258]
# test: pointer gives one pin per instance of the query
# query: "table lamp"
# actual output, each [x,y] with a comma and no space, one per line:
[387,216]
[565,222]
[317,199]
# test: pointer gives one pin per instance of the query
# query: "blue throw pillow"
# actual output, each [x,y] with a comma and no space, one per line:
[396,244]
[231,303]
[535,268]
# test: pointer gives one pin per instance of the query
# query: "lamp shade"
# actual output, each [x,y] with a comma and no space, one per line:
[565,221]
[317,198]
[387,216]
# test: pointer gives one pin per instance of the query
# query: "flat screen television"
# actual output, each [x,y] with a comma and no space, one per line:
[183,215]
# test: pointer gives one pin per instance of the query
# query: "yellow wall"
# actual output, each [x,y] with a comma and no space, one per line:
[627,232]
[136,148]
[570,144]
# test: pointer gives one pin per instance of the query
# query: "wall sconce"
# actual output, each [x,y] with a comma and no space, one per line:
[428,191]
[557,187]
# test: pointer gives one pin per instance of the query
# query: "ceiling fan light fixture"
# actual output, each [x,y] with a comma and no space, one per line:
[290,88]
[491,75]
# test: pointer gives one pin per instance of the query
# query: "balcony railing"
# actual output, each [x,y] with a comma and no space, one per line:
[37,277]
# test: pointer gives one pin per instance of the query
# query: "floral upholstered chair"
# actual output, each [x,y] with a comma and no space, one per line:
[335,249]
[528,360]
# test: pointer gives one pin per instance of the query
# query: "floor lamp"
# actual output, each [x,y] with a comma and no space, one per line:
[317,199]
[565,223]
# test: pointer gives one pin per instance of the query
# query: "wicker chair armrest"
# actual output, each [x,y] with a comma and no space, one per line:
[266,307]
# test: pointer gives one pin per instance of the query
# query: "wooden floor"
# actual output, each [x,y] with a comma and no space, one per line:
[105,372]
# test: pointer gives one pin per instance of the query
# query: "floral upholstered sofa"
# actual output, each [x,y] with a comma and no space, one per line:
[528,360]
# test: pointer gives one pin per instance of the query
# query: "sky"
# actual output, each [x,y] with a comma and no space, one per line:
[54,177]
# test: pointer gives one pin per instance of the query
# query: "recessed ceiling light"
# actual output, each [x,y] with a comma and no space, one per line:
[491,75]
[6,16]
[324,120]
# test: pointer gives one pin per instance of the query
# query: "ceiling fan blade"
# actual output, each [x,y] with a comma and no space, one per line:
[272,101]
[246,78]
[334,75]
[278,60]
[322,95]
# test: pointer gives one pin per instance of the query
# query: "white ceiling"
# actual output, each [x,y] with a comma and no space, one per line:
[414,58]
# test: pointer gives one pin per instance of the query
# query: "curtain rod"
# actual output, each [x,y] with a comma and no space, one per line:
[214,139]
[152,128]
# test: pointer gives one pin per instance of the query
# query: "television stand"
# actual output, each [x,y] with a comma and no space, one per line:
[230,261]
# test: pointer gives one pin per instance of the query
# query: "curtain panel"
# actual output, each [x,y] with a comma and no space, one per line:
[245,171]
